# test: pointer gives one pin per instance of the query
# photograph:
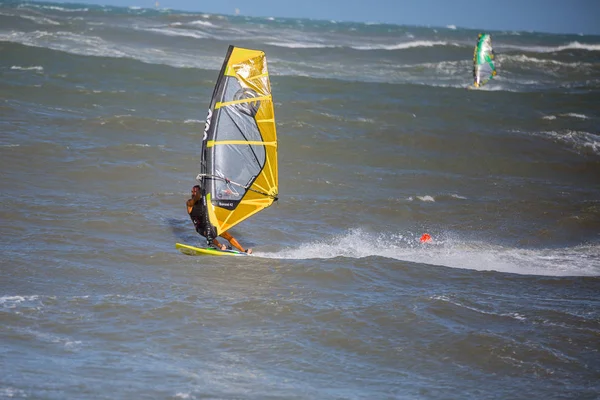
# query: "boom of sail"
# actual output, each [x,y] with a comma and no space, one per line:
[238,168]
[484,67]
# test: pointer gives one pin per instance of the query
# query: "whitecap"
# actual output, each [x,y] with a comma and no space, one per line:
[202,23]
[402,46]
[426,198]
[444,250]
[35,68]
[575,115]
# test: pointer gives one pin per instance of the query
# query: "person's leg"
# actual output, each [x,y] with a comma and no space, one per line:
[234,242]
[215,243]
[219,245]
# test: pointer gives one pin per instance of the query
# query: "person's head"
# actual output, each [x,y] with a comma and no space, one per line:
[196,190]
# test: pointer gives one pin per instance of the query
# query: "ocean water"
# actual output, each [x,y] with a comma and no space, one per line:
[101,116]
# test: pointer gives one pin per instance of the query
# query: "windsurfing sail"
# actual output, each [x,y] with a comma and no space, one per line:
[238,167]
[484,67]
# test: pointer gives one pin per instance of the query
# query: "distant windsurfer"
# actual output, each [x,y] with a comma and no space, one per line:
[484,67]
[197,211]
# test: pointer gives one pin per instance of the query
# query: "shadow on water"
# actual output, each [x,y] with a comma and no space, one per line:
[183,230]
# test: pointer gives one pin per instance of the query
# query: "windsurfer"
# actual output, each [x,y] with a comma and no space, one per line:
[197,211]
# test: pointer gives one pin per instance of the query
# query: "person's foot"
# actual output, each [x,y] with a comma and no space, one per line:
[249,251]
[223,247]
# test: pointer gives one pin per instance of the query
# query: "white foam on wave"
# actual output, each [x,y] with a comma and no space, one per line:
[402,46]
[579,140]
[65,41]
[347,119]
[425,198]
[177,32]
[569,115]
[296,45]
[55,8]
[14,301]
[95,46]
[521,58]
[580,46]
[449,68]
[449,252]
[452,300]
[575,115]
[552,49]
[369,47]
[7,391]
[64,341]
[202,23]
[35,68]
[40,20]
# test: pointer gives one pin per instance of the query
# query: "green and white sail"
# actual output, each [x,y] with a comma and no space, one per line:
[484,67]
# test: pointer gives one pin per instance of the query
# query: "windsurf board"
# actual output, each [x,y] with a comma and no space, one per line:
[206,251]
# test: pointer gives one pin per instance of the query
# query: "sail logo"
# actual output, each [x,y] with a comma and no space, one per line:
[207,125]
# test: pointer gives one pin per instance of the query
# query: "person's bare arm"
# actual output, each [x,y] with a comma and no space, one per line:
[190,203]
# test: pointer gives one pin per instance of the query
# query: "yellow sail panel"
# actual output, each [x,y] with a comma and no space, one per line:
[240,147]
[245,209]
[249,67]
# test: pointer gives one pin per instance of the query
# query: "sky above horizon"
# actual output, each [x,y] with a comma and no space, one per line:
[553,16]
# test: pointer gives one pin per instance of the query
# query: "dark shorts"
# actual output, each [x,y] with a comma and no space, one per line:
[203,231]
